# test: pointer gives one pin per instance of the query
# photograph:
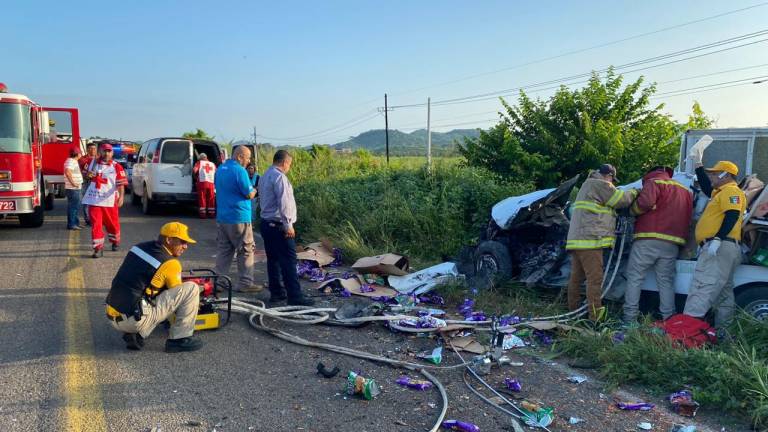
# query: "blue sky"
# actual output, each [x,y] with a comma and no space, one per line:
[318,70]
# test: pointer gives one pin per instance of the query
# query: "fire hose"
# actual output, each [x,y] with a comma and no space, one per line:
[257,311]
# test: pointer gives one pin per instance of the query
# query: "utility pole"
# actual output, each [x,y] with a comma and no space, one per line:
[429,136]
[386,126]
[255,148]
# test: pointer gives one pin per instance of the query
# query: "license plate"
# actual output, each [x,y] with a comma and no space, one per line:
[7,205]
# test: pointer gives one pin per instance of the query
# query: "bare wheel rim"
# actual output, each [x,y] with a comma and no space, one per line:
[758,309]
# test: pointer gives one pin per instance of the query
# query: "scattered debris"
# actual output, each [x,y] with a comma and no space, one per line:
[320,253]
[359,385]
[639,406]
[512,341]
[387,264]
[328,373]
[414,383]
[457,425]
[481,365]
[575,420]
[435,357]
[577,379]
[682,428]
[504,360]
[683,403]
[193,423]
[425,280]
[645,426]
[536,415]
[468,344]
[513,384]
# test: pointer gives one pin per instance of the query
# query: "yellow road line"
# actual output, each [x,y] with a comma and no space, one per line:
[84,409]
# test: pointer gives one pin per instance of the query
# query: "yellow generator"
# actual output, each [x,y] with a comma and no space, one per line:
[212,286]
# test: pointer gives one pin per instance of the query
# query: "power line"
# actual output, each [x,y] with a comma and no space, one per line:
[744,81]
[495,94]
[568,53]
[582,50]
[346,125]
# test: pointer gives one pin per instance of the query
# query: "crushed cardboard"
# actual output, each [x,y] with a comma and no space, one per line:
[387,264]
[319,252]
[468,344]
[354,284]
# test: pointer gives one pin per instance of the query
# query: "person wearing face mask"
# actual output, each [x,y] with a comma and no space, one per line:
[718,233]
[148,289]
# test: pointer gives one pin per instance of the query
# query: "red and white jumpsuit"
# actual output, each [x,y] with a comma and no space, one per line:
[102,200]
[206,195]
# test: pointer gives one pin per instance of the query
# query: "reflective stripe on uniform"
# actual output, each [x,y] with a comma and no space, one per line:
[605,242]
[660,236]
[146,257]
[670,182]
[615,198]
[591,206]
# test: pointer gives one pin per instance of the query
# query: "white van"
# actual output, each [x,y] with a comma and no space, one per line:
[163,172]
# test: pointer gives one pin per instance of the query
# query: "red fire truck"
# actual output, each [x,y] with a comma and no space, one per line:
[32,155]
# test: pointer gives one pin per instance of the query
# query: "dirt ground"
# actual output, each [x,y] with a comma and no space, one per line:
[400,409]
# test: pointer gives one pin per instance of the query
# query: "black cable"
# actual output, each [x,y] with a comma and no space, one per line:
[495,94]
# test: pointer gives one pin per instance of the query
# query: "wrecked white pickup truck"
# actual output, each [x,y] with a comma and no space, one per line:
[525,241]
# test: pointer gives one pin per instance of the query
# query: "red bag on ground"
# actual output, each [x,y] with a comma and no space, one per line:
[688,331]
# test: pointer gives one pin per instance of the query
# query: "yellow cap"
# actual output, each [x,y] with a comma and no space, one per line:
[177,230]
[726,166]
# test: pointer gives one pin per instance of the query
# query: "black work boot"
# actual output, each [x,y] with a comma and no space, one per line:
[115,247]
[301,301]
[133,341]
[183,344]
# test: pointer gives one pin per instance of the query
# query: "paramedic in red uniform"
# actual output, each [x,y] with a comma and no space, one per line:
[104,197]
[205,171]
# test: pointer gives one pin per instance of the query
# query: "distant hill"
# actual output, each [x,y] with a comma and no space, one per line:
[407,144]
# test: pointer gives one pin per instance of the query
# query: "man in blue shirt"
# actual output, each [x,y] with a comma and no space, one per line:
[278,214]
[233,219]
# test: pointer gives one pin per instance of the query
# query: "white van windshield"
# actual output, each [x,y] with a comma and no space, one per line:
[176,152]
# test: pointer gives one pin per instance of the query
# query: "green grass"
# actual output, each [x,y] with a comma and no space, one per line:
[365,207]
[731,376]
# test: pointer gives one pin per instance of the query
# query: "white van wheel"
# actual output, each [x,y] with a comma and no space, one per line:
[147,206]
[754,301]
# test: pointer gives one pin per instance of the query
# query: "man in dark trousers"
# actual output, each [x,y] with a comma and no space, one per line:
[278,215]
[148,289]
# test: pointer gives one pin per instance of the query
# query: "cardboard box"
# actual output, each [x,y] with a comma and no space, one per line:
[318,252]
[387,264]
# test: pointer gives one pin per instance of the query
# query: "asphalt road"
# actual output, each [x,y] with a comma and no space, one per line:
[63,367]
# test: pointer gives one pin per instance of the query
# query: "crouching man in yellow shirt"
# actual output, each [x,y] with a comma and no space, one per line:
[148,289]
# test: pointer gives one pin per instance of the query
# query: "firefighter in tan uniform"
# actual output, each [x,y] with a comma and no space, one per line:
[718,234]
[592,229]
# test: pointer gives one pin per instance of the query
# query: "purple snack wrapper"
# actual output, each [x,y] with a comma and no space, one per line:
[337,258]
[640,406]
[413,383]
[457,425]
[508,320]
[466,307]
[513,384]
[365,288]
[476,316]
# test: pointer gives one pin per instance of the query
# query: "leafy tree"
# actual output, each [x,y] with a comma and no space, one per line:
[197,134]
[577,130]
[697,119]
[320,151]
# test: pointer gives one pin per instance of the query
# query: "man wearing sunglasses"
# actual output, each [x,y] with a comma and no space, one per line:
[104,198]
[148,289]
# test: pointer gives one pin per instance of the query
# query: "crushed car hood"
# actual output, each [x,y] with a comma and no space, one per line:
[515,210]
